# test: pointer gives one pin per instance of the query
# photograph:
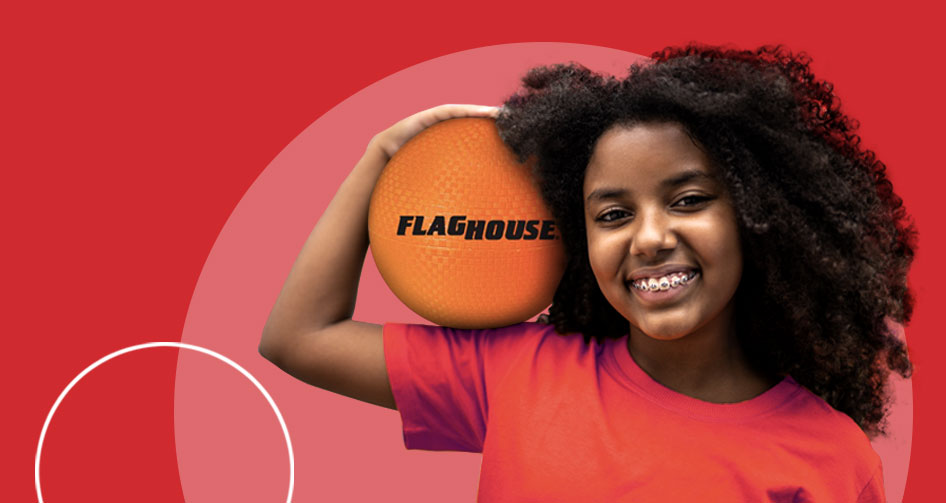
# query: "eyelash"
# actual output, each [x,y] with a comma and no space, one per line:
[607,216]
[695,200]
[699,200]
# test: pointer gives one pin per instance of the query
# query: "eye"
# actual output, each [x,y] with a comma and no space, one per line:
[612,216]
[692,201]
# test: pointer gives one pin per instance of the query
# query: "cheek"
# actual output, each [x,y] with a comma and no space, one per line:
[595,257]
[605,257]
[726,252]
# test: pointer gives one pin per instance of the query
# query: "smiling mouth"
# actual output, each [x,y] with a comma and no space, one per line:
[664,283]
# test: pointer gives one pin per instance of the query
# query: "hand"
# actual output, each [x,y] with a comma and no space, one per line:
[392,138]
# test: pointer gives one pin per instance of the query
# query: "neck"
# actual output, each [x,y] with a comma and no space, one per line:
[707,364]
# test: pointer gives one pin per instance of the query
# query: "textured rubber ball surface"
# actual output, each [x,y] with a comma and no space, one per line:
[460,167]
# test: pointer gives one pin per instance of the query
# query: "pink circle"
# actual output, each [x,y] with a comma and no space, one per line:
[230,448]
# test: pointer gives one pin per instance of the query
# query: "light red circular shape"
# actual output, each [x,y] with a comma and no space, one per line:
[339,440]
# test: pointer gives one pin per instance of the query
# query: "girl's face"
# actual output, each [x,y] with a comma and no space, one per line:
[662,235]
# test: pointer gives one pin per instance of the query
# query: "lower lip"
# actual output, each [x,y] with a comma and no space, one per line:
[661,296]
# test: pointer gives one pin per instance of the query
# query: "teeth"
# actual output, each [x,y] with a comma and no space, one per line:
[662,283]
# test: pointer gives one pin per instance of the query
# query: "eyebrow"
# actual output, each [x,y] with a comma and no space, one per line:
[684,177]
[677,180]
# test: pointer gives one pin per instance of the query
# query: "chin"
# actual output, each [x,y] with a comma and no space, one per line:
[664,333]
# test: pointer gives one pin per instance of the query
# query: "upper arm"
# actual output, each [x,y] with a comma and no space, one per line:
[345,358]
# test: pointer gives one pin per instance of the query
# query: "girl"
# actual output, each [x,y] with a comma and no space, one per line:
[734,258]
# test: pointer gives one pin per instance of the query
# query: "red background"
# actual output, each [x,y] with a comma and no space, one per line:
[131,131]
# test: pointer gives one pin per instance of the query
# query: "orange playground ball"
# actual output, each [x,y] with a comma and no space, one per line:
[459,230]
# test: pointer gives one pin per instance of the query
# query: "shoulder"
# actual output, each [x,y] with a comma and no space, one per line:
[496,348]
[539,345]
[526,334]
[829,435]
[819,412]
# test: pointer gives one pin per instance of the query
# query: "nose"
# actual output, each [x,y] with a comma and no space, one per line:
[653,234]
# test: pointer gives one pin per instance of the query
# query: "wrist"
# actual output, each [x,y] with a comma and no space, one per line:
[369,167]
[381,146]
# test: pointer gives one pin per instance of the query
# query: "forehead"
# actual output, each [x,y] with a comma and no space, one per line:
[644,156]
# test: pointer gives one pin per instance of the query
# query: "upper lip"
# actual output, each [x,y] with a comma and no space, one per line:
[656,272]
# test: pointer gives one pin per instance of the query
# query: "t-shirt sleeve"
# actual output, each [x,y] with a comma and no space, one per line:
[441,379]
[874,492]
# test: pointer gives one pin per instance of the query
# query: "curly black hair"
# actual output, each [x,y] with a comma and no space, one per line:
[827,244]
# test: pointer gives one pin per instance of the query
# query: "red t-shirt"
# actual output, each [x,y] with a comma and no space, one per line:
[560,420]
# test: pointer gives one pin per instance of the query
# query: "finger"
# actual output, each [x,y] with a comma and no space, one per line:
[409,127]
[464,109]
[452,111]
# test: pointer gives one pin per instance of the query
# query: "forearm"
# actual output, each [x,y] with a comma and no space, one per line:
[322,285]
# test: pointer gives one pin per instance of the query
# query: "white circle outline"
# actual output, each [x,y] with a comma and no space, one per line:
[180,345]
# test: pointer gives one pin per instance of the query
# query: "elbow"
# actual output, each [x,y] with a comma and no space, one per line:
[270,348]
[265,351]
[273,340]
